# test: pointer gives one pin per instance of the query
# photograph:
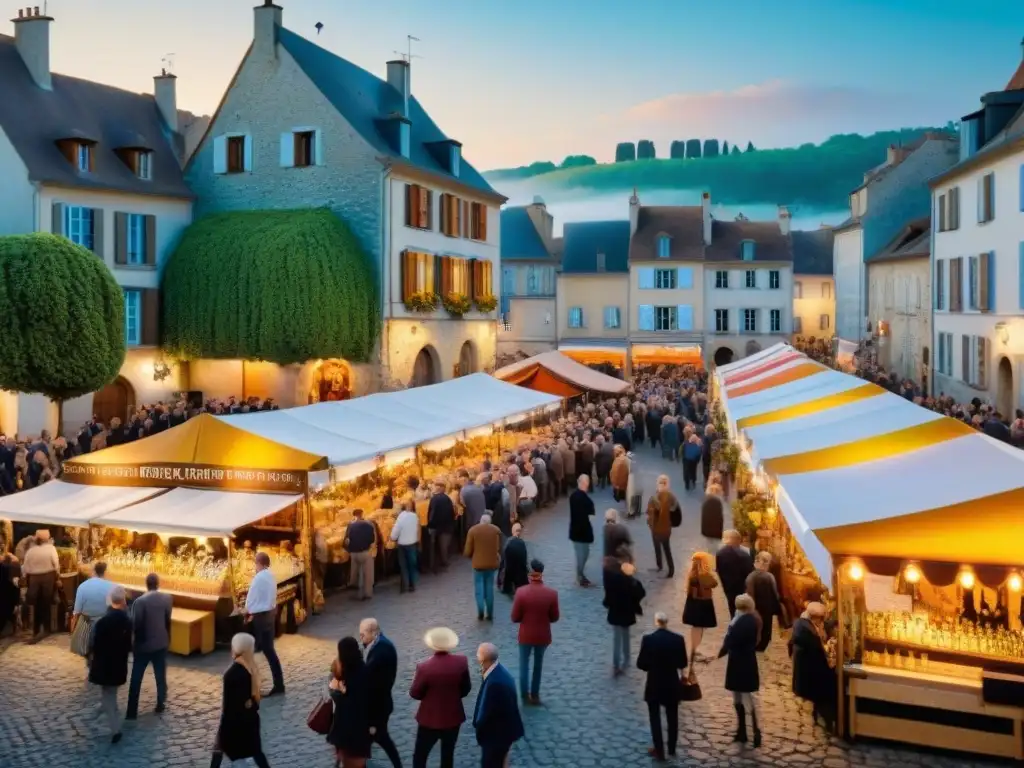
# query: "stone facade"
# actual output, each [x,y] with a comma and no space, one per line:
[814,306]
[899,294]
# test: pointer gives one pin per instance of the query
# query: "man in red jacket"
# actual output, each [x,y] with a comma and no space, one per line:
[534,609]
[440,684]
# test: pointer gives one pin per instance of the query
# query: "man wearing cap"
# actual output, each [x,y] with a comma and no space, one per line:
[440,684]
[41,567]
[534,609]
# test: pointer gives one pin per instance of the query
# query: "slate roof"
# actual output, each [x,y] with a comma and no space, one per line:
[683,223]
[913,241]
[585,239]
[363,99]
[727,238]
[34,119]
[519,236]
[812,251]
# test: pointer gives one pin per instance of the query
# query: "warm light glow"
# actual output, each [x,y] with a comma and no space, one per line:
[967,579]
[201,541]
[912,574]
[855,571]
[1014,582]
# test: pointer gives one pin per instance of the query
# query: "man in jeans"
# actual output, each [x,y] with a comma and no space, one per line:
[359,541]
[406,534]
[441,524]
[483,547]
[261,613]
[581,533]
[534,609]
[151,622]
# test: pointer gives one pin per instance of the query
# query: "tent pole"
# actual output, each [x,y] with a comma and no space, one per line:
[231,571]
[840,651]
[307,525]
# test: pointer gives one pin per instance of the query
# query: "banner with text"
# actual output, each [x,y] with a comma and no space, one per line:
[174,475]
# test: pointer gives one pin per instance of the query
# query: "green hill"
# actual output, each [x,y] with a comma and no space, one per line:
[821,175]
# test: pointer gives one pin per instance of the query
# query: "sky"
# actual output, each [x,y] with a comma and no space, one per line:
[530,80]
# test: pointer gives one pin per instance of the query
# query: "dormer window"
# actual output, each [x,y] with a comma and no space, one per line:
[144,165]
[77,148]
[747,250]
[84,157]
[600,262]
[664,246]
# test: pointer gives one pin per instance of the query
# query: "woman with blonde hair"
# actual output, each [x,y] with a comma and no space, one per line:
[699,609]
[238,736]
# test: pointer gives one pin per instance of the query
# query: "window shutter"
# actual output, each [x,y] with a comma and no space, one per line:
[445,214]
[98,230]
[408,273]
[424,220]
[937,300]
[220,154]
[456,217]
[318,147]
[981,201]
[942,212]
[685,277]
[288,150]
[446,275]
[942,351]
[57,224]
[476,279]
[982,362]
[965,358]
[645,314]
[409,199]
[684,317]
[466,217]
[247,153]
[954,208]
[646,277]
[483,221]
[120,238]
[150,334]
[150,240]
[991,187]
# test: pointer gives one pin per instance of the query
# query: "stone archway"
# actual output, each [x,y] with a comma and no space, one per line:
[427,368]
[332,381]
[467,359]
[752,348]
[117,399]
[1004,388]
[724,356]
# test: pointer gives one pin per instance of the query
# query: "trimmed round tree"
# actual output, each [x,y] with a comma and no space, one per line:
[281,286]
[61,318]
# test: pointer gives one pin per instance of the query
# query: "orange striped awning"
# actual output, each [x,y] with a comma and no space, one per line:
[749,373]
[787,376]
[817,405]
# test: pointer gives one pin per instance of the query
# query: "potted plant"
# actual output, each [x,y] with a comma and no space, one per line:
[424,301]
[456,303]
[486,303]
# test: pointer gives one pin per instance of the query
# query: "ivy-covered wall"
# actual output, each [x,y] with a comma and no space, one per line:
[280,286]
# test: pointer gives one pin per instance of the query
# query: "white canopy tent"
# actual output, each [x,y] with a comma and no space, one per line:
[58,503]
[757,358]
[793,393]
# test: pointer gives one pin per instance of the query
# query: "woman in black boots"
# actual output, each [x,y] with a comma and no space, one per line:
[741,675]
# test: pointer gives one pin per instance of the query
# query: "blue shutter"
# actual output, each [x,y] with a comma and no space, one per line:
[685,279]
[646,278]
[1021,205]
[684,317]
[645,314]
[942,353]
[1020,276]
[991,281]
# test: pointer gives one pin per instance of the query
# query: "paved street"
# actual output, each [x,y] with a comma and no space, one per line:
[49,717]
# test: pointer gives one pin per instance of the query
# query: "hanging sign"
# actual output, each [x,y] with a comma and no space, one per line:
[177,475]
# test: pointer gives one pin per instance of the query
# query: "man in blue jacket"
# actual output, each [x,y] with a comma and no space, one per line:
[496,718]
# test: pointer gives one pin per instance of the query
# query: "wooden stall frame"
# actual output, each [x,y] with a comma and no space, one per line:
[840,651]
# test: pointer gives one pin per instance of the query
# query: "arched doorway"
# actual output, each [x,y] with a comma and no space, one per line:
[724,356]
[332,381]
[1004,388]
[467,359]
[752,348]
[426,369]
[117,399]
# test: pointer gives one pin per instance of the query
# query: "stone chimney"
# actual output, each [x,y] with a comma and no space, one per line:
[784,219]
[634,213]
[165,93]
[398,78]
[32,39]
[266,20]
[705,209]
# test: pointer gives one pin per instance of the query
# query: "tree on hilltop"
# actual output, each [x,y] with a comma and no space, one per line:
[578,161]
[677,151]
[625,152]
[645,150]
[693,148]
[750,146]
[725,148]
[735,149]
[711,148]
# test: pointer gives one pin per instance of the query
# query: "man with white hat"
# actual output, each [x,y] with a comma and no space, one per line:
[41,567]
[440,684]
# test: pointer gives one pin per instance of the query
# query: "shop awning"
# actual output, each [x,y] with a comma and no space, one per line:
[667,354]
[556,374]
[589,353]
[59,503]
[192,512]
[747,408]
[752,360]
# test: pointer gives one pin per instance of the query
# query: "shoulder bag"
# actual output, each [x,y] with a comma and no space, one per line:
[320,717]
[689,688]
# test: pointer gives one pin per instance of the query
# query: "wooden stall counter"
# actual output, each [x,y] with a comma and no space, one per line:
[191,631]
[940,708]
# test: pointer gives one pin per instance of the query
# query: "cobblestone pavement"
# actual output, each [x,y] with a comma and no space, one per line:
[50,717]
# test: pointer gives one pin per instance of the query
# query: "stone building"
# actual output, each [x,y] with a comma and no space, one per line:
[814,287]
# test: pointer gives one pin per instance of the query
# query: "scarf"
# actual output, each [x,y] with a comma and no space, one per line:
[248,661]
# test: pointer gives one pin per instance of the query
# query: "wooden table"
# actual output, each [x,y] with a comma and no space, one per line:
[191,631]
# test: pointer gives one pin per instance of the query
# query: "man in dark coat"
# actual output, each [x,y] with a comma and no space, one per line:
[439,685]
[581,533]
[663,657]
[381,669]
[515,569]
[621,436]
[733,564]
[496,718]
[618,542]
[603,461]
[441,525]
[111,644]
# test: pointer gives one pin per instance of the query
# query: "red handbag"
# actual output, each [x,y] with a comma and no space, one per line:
[320,717]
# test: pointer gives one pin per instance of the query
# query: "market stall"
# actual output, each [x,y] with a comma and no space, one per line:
[610,353]
[556,374]
[667,354]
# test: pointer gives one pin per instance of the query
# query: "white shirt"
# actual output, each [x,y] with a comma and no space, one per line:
[91,597]
[528,487]
[262,595]
[407,528]
[40,559]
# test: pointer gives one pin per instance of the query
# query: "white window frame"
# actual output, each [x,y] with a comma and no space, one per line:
[135,239]
[750,321]
[671,316]
[721,278]
[774,279]
[775,320]
[144,168]
[132,316]
[721,321]
[672,279]
[575,317]
[80,225]
[750,279]
[612,318]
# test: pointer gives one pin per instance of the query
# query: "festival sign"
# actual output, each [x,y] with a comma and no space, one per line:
[178,475]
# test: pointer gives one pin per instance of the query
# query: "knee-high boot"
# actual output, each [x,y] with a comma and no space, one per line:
[741,727]
[757,731]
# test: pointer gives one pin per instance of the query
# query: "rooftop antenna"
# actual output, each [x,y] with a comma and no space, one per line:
[319,26]
[168,62]
[408,56]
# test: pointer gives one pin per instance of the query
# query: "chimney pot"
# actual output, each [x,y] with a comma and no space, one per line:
[399,78]
[32,40]
[21,13]
[35,11]
[705,209]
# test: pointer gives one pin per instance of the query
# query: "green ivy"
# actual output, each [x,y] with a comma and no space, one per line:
[280,286]
[61,318]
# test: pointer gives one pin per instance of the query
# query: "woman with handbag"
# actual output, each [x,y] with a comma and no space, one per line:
[699,609]
[741,673]
[350,726]
[238,736]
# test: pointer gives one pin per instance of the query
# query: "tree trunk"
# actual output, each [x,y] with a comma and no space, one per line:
[59,401]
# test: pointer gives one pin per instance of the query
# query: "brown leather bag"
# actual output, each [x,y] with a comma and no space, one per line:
[320,717]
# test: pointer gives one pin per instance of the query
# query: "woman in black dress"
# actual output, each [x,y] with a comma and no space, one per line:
[350,727]
[238,736]
[699,609]
[761,586]
[741,674]
[814,680]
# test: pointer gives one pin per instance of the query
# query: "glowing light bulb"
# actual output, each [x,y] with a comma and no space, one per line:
[967,579]
[201,541]
[912,574]
[1015,583]
[856,572]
